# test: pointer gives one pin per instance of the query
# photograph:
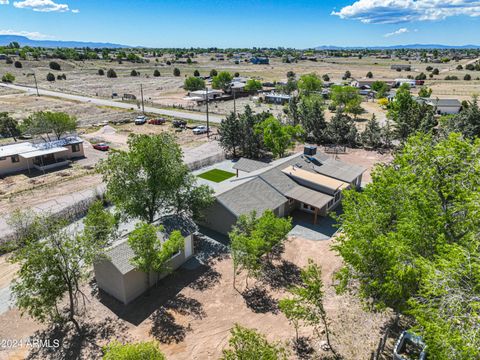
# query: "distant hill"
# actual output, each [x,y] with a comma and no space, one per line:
[393,47]
[24,41]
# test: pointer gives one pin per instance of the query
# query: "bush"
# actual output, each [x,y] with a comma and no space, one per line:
[8,78]
[101,72]
[62,77]
[50,77]
[134,73]
[450,77]
[111,73]
[156,73]
[169,62]
[194,83]
[134,351]
[435,71]
[18,64]
[369,75]
[55,66]
[325,77]
[176,72]
[429,68]
[467,77]
[459,67]
[421,76]
[213,73]
[196,73]
[237,74]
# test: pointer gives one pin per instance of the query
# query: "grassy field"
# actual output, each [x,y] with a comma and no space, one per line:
[216,175]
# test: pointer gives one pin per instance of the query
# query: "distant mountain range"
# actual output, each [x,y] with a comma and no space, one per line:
[393,47]
[25,41]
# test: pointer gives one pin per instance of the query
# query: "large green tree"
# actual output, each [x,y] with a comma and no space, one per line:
[222,80]
[467,122]
[312,117]
[230,132]
[346,99]
[150,177]
[278,137]
[46,123]
[341,130]
[9,126]
[410,240]
[193,83]
[309,83]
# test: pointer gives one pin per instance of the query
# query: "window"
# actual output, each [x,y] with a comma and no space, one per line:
[337,196]
[291,201]
[15,159]
[75,147]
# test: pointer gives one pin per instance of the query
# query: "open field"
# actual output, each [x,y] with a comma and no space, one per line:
[192,311]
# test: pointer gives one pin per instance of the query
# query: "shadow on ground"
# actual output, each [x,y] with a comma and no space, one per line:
[259,301]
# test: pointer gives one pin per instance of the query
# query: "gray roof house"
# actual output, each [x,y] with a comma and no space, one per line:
[311,183]
[443,106]
[115,274]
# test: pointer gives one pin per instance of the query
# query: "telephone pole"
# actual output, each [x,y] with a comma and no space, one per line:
[208,123]
[143,105]
[36,84]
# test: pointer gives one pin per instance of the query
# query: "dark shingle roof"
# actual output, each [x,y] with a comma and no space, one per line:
[248,165]
[309,196]
[255,194]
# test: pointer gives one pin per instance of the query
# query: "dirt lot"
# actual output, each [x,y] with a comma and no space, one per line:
[192,312]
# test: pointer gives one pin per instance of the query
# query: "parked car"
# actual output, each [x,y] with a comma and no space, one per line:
[140,120]
[179,123]
[409,347]
[101,147]
[158,121]
[202,129]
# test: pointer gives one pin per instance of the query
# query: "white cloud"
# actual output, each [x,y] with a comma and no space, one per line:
[75,11]
[397,32]
[399,11]
[34,35]
[41,5]
[3,2]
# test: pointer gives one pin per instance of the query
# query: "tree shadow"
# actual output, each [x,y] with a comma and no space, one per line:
[303,348]
[206,280]
[165,329]
[259,301]
[186,306]
[63,342]
[282,275]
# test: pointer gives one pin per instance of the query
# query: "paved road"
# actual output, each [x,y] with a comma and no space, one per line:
[105,102]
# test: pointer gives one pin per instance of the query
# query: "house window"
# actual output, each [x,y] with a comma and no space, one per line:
[291,201]
[75,147]
[15,159]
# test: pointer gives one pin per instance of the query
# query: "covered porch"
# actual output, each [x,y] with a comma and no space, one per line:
[310,201]
[47,159]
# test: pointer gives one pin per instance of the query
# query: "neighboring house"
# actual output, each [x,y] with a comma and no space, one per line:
[119,278]
[41,156]
[260,60]
[274,98]
[366,84]
[201,95]
[443,106]
[310,182]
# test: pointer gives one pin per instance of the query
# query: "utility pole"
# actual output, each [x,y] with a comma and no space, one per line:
[36,84]
[208,123]
[234,102]
[143,105]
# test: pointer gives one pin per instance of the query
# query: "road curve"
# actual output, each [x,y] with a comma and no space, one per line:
[104,102]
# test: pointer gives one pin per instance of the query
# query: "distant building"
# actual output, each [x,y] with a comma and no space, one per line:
[443,106]
[260,60]
[201,95]
[274,98]
[43,156]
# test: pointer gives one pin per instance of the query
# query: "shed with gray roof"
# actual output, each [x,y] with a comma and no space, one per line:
[116,275]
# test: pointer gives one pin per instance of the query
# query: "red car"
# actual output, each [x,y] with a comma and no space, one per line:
[158,121]
[101,147]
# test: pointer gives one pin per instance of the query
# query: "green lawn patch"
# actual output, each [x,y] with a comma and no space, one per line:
[216,175]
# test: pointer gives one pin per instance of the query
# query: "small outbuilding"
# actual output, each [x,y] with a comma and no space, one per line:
[115,274]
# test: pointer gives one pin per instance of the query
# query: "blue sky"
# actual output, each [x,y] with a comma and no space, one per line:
[246,23]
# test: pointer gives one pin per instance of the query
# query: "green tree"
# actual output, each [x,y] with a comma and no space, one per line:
[176,72]
[325,77]
[99,224]
[371,137]
[134,73]
[251,141]
[381,88]
[50,77]
[111,73]
[18,64]
[253,85]
[253,238]
[278,137]
[196,73]
[193,83]
[425,92]
[55,66]
[306,302]
[222,80]
[312,117]
[9,126]
[248,344]
[213,73]
[151,253]
[54,262]
[467,77]
[309,83]
[410,217]
[101,72]
[346,98]
[8,78]
[156,73]
[369,75]
[133,351]
[151,177]
[467,122]
[341,130]
[230,131]
[44,123]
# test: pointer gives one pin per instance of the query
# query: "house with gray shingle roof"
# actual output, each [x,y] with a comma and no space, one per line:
[115,273]
[309,182]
